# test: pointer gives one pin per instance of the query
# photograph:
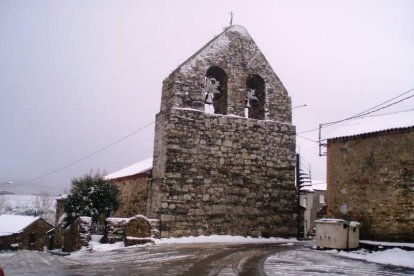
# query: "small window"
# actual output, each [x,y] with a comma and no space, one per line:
[322,199]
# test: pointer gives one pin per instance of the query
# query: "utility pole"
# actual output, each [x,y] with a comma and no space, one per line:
[299,217]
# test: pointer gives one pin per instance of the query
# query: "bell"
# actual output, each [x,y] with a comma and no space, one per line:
[209,98]
[251,95]
[248,103]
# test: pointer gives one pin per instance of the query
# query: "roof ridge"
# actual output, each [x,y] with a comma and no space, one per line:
[204,47]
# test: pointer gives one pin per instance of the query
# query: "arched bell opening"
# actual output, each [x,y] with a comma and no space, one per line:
[255,97]
[215,91]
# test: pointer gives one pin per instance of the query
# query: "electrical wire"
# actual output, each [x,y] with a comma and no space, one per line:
[85,157]
[303,137]
[396,97]
[365,112]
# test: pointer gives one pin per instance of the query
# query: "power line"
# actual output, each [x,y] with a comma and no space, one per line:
[303,137]
[306,131]
[396,97]
[365,112]
[87,156]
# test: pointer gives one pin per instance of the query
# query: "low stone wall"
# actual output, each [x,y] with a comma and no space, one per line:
[77,235]
[115,229]
[134,230]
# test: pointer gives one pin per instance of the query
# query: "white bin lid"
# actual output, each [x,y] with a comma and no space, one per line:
[331,221]
[338,221]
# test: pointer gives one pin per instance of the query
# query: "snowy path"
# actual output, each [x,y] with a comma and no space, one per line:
[32,263]
[195,259]
[312,262]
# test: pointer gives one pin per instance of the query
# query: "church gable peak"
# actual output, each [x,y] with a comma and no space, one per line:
[215,47]
[230,61]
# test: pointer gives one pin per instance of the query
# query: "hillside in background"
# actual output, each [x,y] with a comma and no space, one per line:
[42,205]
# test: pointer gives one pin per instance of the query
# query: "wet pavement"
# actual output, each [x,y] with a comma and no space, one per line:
[195,259]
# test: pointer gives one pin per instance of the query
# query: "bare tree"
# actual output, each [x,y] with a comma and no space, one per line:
[3,204]
[43,205]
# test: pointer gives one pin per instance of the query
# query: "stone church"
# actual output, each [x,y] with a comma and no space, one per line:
[224,150]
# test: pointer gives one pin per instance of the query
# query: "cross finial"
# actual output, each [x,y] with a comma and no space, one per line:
[231,18]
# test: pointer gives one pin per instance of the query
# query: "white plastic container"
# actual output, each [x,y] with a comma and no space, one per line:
[331,233]
[353,234]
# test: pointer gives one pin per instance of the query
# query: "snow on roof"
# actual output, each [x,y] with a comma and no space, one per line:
[213,47]
[10,224]
[62,196]
[371,124]
[139,167]
[240,29]
[319,185]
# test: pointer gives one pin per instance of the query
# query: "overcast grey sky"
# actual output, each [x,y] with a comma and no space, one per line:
[76,76]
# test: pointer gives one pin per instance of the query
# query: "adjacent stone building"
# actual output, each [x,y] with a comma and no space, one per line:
[220,171]
[23,232]
[371,175]
[132,183]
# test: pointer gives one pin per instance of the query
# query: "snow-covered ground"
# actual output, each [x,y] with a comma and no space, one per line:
[221,239]
[395,256]
[29,205]
[392,256]
[94,245]
[214,255]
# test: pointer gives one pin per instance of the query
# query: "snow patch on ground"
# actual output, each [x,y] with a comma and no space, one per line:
[97,246]
[221,239]
[94,245]
[96,238]
[381,243]
[394,256]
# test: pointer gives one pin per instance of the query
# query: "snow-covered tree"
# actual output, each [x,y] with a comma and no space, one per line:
[93,196]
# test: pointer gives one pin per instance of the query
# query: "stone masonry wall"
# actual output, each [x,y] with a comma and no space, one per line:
[224,175]
[371,180]
[39,229]
[236,53]
[77,235]
[132,195]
